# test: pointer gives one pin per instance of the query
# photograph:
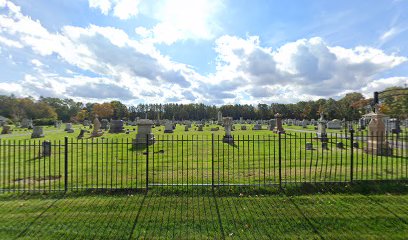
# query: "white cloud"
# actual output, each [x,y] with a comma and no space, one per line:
[11,88]
[307,68]
[123,9]
[103,5]
[185,19]
[10,43]
[383,83]
[176,19]
[134,71]
[37,63]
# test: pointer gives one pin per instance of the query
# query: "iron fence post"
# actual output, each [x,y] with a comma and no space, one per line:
[212,160]
[280,158]
[66,165]
[351,153]
[147,162]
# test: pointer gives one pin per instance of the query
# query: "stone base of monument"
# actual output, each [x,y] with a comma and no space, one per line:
[70,130]
[141,140]
[6,130]
[168,131]
[96,134]
[281,131]
[37,135]
[228,139]
[322,137]
[384,150]
[257,127]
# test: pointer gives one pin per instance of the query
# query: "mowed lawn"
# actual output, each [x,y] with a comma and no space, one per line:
[195,215]
[190,157]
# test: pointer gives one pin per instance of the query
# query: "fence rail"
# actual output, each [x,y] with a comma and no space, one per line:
[173,160]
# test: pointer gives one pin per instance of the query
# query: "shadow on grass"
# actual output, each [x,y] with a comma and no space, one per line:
[366,188]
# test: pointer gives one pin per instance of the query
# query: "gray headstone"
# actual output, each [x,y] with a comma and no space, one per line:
[116,126]
[37,132]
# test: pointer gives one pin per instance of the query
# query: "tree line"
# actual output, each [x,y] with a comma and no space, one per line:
[351,107]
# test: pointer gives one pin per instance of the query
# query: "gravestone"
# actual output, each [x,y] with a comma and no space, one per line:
[355,144]
[219,118]
[96,132]
[86,123]
[27,123]
[272,124]
[116,126]
[340,145]
[200,128]
[186,128]
[278,128]
[57,124]
[144,133]
[243,127]
[46,148]
[227,122]
[37,132]
[81,133]
[104,124]
[321,128]
[361,123]
[168,127]
[257,126]
[6,129]
[393,126]
[334,124]
[68,128]
[324,146]
[309,146]
[304,124]
[376,141]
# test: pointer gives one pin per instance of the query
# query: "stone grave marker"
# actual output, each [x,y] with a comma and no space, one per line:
[278,128]
[37,132]
[144,130]
[227,121]
[116,126]
[6,129]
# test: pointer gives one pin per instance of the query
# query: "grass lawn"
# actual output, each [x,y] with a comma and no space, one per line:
[193,215]
[186,158]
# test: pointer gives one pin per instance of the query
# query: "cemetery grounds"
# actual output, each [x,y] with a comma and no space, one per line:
[197,187]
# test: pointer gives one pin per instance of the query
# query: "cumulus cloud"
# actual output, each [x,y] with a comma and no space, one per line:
[113,65]
[306,67]
[176,19]
[105,51]
[100,91]
[123,9]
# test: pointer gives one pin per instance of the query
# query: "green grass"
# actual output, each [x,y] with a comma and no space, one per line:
[193,215]
[112,162]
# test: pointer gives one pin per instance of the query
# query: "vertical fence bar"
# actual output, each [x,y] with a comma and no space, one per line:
[351,154]
[147,162]
[66,165]
[280,158]
[212,160]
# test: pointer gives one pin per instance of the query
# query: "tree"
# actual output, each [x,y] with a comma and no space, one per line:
[104,110]
[120,110]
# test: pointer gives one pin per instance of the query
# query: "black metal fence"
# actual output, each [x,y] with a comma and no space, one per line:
[175,160]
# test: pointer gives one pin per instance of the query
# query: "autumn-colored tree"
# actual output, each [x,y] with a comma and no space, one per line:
[81,116]
[104,110]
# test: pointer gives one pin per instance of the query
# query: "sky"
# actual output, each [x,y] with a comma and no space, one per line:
[201,51]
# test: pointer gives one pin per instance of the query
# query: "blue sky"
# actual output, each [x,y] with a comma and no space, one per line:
[214,52]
